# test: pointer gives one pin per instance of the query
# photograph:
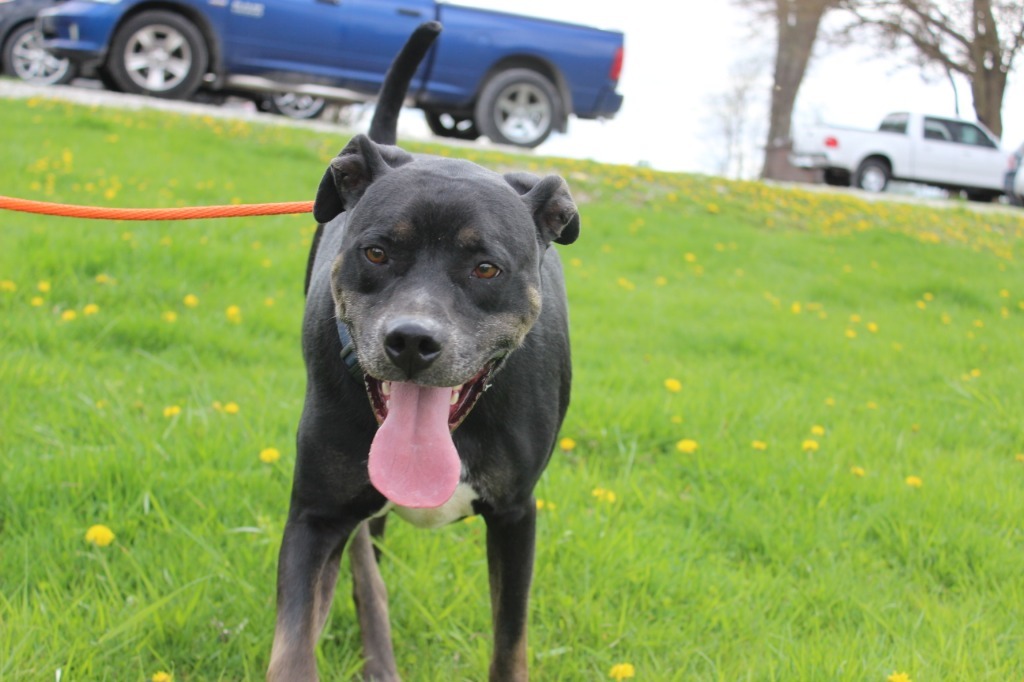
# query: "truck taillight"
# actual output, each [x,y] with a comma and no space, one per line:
[832,142]
[616,69]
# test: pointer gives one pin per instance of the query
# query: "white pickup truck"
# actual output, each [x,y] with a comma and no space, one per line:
[949,153]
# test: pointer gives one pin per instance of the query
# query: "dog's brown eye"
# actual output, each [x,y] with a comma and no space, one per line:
[486,271]
[376,255]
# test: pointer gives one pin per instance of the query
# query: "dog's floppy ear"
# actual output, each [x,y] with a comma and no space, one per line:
[549,202]
[349,174]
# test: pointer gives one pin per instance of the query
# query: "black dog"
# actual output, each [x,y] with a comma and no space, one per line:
[436,344]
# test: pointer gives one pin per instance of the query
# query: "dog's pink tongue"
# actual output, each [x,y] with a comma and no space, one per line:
[413,461]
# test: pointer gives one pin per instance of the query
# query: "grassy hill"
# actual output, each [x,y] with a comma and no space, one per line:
[795,450]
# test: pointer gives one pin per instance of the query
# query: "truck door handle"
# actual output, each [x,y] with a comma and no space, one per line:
[415,13]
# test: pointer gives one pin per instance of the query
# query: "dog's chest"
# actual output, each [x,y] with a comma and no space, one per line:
[458,506]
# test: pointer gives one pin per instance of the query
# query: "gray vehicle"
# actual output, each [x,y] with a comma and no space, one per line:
[21,47]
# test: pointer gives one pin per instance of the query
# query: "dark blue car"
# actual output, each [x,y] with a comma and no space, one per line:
[514,79]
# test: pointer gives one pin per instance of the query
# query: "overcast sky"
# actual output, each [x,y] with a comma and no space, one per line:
[679,54]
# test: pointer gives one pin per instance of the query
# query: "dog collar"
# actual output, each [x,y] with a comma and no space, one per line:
[348,351]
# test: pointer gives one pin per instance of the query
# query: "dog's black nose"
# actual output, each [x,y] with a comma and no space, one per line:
[412,346]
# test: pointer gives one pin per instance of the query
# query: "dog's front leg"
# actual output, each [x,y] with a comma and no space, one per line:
[306,575]
[510,543]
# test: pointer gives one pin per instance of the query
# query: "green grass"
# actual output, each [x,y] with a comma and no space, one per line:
[896,329]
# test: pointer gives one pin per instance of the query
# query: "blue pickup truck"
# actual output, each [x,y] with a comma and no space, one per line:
[512,78]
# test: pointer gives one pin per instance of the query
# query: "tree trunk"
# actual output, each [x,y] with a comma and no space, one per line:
[797,24]
[988,82]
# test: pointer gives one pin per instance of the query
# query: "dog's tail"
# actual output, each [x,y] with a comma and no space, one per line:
[384,126]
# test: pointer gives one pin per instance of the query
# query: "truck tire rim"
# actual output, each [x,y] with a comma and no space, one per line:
[295,105]
[157,58]
[873,179]
[523,113]
[34,64]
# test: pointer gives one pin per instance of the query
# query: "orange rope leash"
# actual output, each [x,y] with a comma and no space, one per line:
[186,213]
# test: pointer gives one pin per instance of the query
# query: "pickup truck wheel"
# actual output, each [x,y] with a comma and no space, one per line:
[25,58]
[518,107]
[294,105]
[449,125]
[873,176]
[158,53]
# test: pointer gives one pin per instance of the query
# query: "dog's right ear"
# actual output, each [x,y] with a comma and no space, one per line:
[355,168]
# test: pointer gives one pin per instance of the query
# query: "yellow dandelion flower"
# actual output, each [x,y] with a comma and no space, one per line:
[975,373]
[268,301]
[898,677]
[914,481]
[1005,293]
[817,430]
[44,286]
[796,308]
[231,408]
[234,314]
[677,419]
[851,334]
[1020,457]
[625,284]
[169,316]
[759,445]
[604,495]
[673,385]
[622,671]
[190,300]
[269,455]
[99,535]
[161,676]
[810,445]
[928,296]
[687,446]
[661,280]
[855,319]
[8,286]
[979,324]
[872,327]
[172,411]
[545,504]
[68,315]
[567,444]
[104,278]
[858,471]
[872,405]
[712,208]
[90,309]
[946,319]
[218,406]
[37,301]
[830,402]
[690,258]
[921,305]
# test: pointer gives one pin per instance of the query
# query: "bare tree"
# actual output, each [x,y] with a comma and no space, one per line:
[796,23]
[734,120]
[977,38]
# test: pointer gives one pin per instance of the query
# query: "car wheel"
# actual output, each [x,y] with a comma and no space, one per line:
[25,58]
[449,125]
[873,175]
[518,107]
[158,53]
[294,105]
